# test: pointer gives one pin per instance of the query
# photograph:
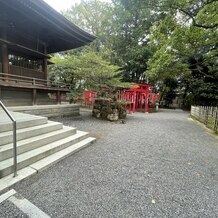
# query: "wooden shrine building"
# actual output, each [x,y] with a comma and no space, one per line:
[30,30]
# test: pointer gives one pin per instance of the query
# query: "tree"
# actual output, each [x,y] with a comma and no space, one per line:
[168,88]
[132,22]
[185,47]
[86,70]
[159,40]
[95,17]
[121,28]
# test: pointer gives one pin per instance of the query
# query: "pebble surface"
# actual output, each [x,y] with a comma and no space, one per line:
[155,165]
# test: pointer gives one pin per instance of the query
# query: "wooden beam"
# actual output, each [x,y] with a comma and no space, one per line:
[12,44]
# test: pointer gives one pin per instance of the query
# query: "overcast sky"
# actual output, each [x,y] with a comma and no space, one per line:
[60,5]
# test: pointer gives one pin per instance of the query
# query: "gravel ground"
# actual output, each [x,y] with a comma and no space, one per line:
[8,210]
[155,165]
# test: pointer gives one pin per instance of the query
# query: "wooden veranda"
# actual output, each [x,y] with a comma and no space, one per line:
[29,32]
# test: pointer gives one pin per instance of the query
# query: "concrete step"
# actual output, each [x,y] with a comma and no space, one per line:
[37,154]
[56,157]
[23,123]
[7,137]
[6,151]
[40,165]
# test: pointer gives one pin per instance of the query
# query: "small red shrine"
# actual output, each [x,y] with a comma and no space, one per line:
[140,98]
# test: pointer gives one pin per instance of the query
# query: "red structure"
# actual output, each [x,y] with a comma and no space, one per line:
[89,97]
[140,98]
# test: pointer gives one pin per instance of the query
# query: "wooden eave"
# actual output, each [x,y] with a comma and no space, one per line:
[55,30]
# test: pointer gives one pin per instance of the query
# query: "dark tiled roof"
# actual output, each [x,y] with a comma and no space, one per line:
[37,19]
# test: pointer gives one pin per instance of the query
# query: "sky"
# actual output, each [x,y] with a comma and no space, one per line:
[60,5]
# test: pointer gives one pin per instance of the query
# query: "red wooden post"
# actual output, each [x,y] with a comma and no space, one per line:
[147,104]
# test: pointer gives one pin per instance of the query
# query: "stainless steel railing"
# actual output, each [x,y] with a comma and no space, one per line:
[14,136]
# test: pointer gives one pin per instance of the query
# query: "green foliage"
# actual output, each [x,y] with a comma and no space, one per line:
[121,29]
[95,17]
[132,20]
[184,46]
[159,40]
[85,70]
[170,86]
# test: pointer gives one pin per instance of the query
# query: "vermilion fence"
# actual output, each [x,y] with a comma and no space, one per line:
[206,115]
[138,101]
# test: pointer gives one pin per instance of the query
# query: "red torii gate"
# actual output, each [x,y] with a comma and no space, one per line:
[138,98]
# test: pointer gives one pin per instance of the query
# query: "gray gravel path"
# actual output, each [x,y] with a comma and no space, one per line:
[8,210]
[155,165]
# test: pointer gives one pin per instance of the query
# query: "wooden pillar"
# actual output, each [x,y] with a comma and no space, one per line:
[44,68]
[58,97]
[34,97]
[147,103]
[45,64]
[4,54]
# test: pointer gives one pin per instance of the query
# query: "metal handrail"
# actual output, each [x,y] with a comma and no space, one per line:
[14,136]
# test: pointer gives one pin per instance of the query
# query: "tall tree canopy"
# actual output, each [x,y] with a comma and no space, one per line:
[121,28]
[185,47]
[165,42]
[95,17]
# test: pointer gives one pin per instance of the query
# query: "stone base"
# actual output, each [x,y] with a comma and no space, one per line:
[109,109]
[49,110]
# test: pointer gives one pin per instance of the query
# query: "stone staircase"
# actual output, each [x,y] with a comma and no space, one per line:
[40,143]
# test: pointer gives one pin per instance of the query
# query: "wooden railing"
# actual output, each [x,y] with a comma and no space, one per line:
[206,115]
[28,72]
[36,82]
